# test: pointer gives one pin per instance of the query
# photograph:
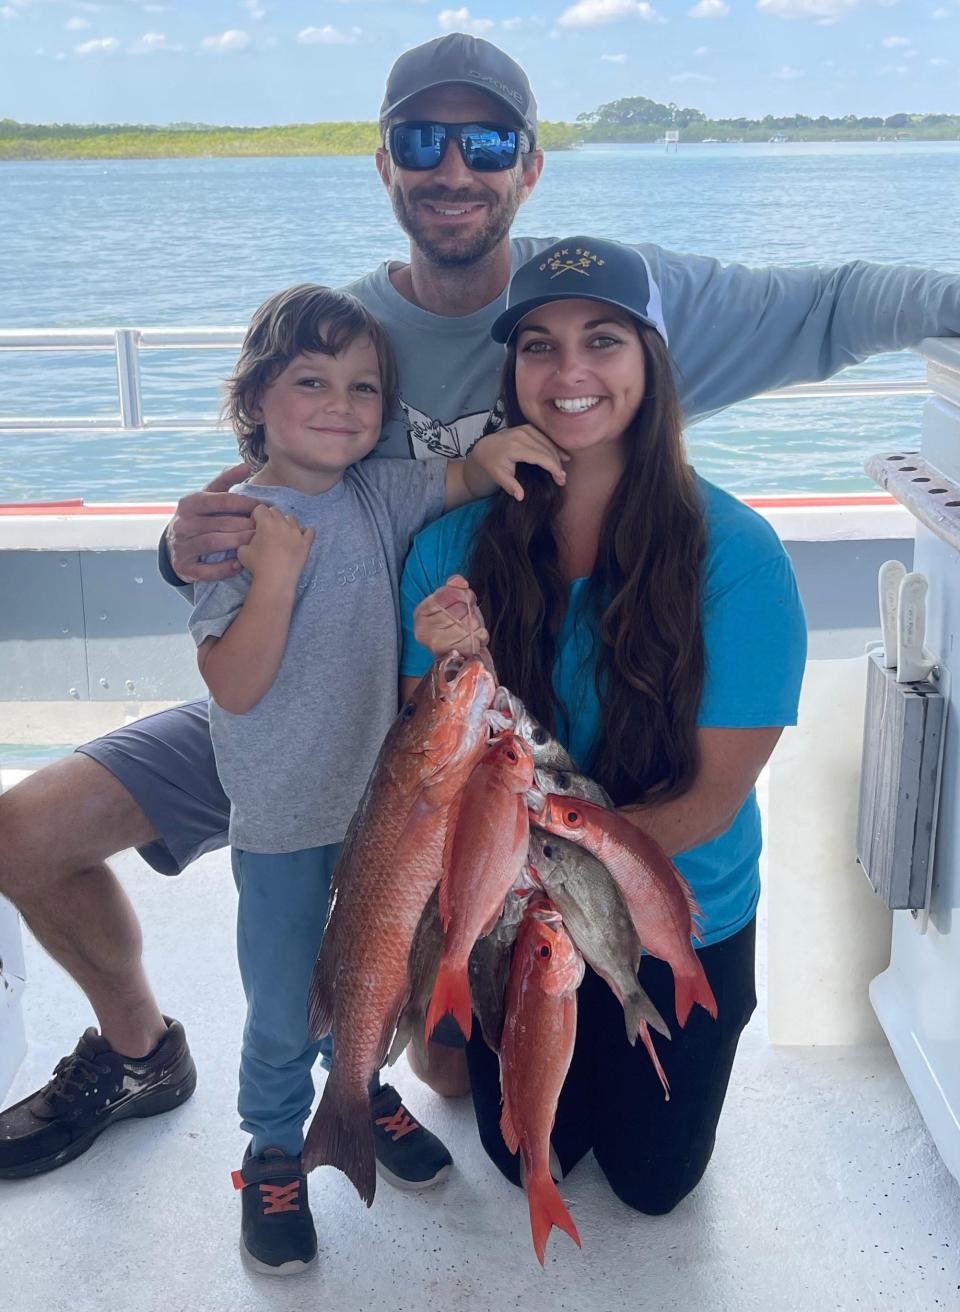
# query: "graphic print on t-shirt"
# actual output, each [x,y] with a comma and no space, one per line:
[430,437]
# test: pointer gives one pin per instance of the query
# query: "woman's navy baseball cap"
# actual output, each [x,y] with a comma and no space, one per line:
[583,268]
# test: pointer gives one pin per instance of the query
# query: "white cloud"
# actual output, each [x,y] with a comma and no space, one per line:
[827,10]
[254,9]
[938,62]
[7,12]
[459,20]
[892,42]
[898,69]
[709,9]
[328,36]
[594,13]
[77,24]
[692,77]
[104,45]
[701,51]
[228,42]
[788,74]
[154,43]
[515,24]
[613,59]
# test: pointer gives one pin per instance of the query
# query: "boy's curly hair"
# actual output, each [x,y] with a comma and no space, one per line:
[307,317]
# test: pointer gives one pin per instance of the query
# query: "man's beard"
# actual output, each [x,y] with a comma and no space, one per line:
[455,251]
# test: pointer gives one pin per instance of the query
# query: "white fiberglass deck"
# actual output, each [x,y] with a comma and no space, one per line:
[825,1190]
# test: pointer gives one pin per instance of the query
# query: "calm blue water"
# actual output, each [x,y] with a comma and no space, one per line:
[202,242]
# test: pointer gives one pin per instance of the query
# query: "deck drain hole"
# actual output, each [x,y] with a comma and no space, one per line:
[921,479]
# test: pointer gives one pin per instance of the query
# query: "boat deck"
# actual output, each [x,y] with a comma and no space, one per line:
[825,1189]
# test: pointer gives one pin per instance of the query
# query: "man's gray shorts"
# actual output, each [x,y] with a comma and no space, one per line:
[166,764]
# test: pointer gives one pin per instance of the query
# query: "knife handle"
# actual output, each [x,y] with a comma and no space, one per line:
[890,577]
[914,661]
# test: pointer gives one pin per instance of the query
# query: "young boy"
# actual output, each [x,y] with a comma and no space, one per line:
[300,653]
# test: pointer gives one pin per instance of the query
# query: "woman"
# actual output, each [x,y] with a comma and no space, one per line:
[652,622]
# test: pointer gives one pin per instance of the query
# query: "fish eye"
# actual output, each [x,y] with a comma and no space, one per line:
[408,710]
[572,817]
[548,851]
[539,735]
[543,951]
[562,782]
[511,755]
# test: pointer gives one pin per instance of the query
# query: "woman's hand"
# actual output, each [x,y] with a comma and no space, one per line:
[280,547]
[492,463]
[450,618]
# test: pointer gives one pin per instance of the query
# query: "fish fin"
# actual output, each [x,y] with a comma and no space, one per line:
[547,1209]
[509,1132]
[405,1031]
[341,1135]
[445,906]
[637,1010]
[691,988]
[320,998]
[647,1037]
[451,993]
[693,906]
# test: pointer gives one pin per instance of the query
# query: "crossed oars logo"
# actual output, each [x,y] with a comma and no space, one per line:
[561,261]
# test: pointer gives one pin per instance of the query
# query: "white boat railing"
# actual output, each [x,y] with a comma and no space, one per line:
[127,343]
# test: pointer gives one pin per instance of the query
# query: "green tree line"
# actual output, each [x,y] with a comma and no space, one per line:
[629,119]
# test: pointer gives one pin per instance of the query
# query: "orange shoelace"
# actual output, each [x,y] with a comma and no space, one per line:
[280,1197]
[399,1124]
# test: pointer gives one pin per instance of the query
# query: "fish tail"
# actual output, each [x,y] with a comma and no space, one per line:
[451,993]
[341,1135]
[691,987]
[638,1009]
[647,1038]
[547,1209]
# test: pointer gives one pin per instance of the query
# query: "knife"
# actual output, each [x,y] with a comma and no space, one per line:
[914,659]
[890,578]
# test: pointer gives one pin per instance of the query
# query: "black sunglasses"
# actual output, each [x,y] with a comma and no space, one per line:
[485,147]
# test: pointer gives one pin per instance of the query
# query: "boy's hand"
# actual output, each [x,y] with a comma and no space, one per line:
[492,461]
[280,547]
[450,618]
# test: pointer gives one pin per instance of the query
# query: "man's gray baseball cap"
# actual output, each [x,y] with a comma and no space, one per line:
[460,60]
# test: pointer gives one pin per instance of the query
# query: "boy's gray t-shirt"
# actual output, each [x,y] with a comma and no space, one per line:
[295,765]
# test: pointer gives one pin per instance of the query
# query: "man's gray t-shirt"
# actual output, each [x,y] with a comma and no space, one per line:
[295,765]
[734,332]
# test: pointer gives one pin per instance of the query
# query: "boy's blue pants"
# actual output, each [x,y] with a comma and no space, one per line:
[281,915]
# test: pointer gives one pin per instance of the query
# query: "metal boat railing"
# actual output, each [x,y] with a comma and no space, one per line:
[127,343]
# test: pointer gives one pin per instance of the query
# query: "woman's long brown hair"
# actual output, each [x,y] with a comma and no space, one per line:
[643,596]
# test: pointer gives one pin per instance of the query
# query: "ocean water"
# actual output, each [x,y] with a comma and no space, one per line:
[202,242]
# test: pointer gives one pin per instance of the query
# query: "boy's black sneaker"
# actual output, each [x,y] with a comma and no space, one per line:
[277,1235]
[91,1089]
[408,1156]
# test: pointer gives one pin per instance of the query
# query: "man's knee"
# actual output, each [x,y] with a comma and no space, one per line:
[63,819]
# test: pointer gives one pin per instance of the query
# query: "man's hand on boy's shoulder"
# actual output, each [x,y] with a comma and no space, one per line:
[214,519]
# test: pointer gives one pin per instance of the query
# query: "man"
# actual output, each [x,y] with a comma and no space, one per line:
[458,157]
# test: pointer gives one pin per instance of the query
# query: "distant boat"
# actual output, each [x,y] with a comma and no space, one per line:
[710,141]
[778,139]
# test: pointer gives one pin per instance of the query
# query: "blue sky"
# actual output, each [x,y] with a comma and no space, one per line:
[280,61]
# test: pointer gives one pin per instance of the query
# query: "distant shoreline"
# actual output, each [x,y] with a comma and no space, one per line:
[19,142]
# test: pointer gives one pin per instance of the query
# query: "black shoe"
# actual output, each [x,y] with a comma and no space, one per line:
[277,1235]
[408,1156]
[91,1089]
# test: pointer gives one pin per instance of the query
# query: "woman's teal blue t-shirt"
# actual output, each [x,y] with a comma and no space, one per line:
[755,639]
